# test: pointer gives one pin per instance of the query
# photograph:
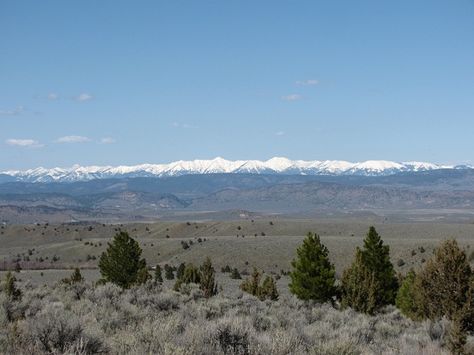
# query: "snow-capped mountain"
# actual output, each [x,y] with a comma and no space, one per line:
[275,165]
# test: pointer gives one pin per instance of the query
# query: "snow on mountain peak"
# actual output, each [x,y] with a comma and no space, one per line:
[276,165]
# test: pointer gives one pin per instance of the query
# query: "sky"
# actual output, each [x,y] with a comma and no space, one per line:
[126,82]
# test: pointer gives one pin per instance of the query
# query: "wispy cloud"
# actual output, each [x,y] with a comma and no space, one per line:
[107,140]
[279,133]
[52,96]
[183,125]
[292,97]
[307,82]
[27,143]
[13,112]
[83,97]
[73,139]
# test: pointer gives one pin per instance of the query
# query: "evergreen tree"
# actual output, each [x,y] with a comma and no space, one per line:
[313,275]
[208,284]
[142,276]
[158,275]
[180,270]
[121,262]
[251,285]
[76,276]
[10,287]
[268,290]
[191,274]
[169,272]
[405,300]
[444,287]
[235,274]
[370,283]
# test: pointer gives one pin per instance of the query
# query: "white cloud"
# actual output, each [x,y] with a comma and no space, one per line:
[292,97]
[280,133]
[13,112]
[107,140]
[73,139]
[52,96]
[307,82]
[29,143]
[83,97]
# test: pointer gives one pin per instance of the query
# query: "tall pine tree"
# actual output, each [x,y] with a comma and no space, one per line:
[313,275]
[121,263]
[370,283]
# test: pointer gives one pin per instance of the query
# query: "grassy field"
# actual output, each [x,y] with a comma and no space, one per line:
[268,244]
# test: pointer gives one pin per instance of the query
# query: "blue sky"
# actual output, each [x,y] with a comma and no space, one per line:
[126,82]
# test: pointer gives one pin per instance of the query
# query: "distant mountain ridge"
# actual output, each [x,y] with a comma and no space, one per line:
[277,165]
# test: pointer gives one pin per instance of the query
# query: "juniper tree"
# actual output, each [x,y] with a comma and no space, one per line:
[180,270]
[207,282]
[235,274]
[444,287]
[268,290]
[251,285]
[121,263]
[10,287]
[169,272]
[313,275]
[191,274]
[405,300]
[158,275]
[370,282]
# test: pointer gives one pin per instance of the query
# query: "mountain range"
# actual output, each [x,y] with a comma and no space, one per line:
[277,165]
[438,192]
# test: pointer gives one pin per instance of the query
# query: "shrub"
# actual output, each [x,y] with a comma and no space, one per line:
[370,282]
[313,275]
[121,262]
[180,270]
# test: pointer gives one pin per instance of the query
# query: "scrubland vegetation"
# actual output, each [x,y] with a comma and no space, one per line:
[130,311]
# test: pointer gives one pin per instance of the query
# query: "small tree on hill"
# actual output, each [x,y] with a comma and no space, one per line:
[10,288]
[180,270]
[235,274]
[444,287]
[122,262]
[208,283]
[405,300]
[76,277]
[191,274]
[268,290]
[313,275]
[158,275]
[169,272]
[142,276]
[370,283]
[251,285]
